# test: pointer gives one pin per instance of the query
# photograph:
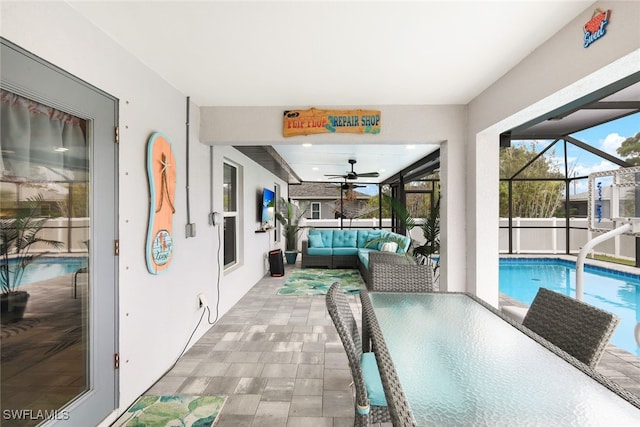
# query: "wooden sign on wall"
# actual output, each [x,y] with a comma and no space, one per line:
[161,171]
[313,121]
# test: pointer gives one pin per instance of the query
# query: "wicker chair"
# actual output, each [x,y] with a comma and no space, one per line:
[390,272]
[580,329]
[382,257]
[345,323]
[399,409]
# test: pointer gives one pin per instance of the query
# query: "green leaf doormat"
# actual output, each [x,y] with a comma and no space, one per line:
[172,411]
[317,281]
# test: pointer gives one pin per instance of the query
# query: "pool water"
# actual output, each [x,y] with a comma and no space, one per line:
[44,268]
[618,293]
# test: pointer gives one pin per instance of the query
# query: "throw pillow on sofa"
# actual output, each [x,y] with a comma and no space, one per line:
[315,241]
[389,247]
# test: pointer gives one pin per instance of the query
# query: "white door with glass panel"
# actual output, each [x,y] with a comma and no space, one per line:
[59,209]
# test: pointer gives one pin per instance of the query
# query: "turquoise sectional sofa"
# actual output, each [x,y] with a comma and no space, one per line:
[348,248]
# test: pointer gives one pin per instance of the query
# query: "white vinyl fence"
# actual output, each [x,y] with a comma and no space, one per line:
[553,241]
[72,232]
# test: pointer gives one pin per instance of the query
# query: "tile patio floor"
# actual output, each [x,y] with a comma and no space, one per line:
[278,358]
[281,363]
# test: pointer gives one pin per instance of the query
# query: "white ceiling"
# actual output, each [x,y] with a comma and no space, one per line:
[331,53]
[313,163]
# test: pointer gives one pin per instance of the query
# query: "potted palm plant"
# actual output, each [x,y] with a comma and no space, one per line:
[424,254]
[17,236]
[290,215]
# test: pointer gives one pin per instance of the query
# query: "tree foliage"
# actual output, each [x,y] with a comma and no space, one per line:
[17,235]
[418,199]
[630,149]
[530,198]
[430,227]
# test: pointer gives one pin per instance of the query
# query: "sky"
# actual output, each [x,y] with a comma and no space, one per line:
[606,137]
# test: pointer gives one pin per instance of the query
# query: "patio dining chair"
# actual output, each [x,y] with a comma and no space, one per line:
[370,403]
[579,329]
[392,272]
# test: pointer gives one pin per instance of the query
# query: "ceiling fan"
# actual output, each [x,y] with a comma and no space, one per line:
[352,175]
[347,185]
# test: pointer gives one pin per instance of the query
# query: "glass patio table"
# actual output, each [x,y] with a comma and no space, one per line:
[452,359]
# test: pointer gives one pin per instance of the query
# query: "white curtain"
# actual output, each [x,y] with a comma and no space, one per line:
[39,142]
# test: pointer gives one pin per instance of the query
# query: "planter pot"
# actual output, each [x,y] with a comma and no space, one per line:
[12,306]
[291,256]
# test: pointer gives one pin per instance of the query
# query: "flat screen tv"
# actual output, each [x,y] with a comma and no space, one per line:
[268,210]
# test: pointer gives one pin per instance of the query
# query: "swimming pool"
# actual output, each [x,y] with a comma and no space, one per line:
[44,268]
[613,291]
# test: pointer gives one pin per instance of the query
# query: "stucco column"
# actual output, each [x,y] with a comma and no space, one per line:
[452,217]
[482,216]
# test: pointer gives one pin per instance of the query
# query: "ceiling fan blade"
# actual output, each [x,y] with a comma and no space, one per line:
[352,175]
[345,186]
[369,175]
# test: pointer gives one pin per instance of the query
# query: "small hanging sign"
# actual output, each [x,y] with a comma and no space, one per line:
[314,121]
[596,27]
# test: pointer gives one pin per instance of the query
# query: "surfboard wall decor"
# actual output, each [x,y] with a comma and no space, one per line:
[161,170]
